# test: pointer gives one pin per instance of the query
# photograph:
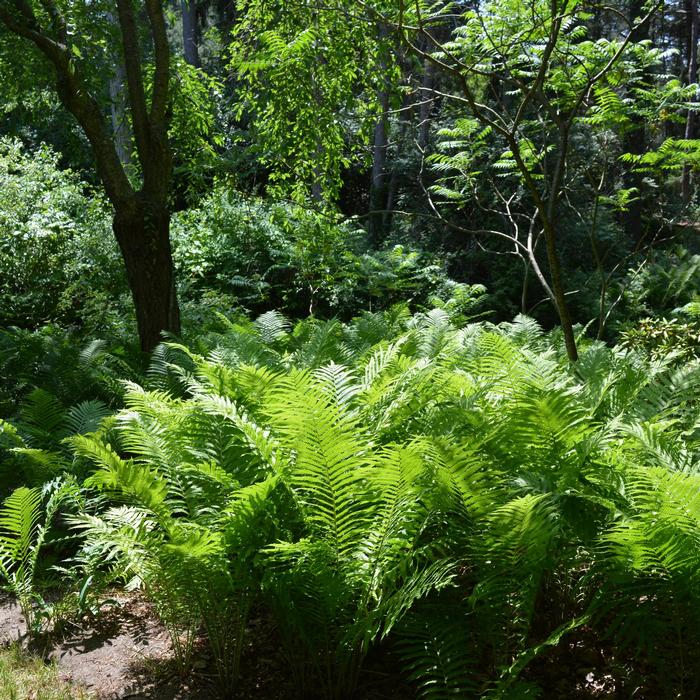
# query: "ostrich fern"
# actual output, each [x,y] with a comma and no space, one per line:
[26,517]
[460,493]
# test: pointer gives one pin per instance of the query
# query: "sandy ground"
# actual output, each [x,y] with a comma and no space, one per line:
[126,655]
[12,625]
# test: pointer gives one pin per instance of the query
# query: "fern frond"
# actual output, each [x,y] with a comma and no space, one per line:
[331,459]
[340,382]
[272,327]
[20,517]
[86,416]
[437,653]
[133,480]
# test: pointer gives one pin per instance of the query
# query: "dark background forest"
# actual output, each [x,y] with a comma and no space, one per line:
[320,161]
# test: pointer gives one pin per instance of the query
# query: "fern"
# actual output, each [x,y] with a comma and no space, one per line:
[437,650]
[25,519]
[272,327]
[330,462]
[132,479]
[461,494]
[86,417]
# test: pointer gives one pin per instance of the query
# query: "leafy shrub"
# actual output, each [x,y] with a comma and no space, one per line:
[61,363]
[58,257]
[52,386]
[670,280]
[59,262]
[283,256]
[661,337]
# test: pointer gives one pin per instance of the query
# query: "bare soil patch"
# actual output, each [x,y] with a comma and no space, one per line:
[126,654]
[12,627]
[123,654]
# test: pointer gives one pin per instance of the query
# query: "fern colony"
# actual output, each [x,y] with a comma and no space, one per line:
[458,498]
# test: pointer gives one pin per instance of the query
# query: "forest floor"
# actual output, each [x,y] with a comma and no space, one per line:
[126,654]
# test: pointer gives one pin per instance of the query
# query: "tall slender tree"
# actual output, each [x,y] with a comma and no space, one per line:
[190,32]
[380,145]
[635,140]
[693,22]
[548,74]
[141,218]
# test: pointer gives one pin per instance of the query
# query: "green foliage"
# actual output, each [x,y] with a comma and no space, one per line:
[231,252]
[668,159]
[542,55]
[194,134]
[459,492]
[306,72]
[61,364]
[668,281]
[25,520]
[400,479]
[55,246]
[288,257]
[662,338]
[542,101]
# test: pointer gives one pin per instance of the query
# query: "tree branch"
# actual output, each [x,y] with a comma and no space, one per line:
[134,79]
[161,78]
[73,93]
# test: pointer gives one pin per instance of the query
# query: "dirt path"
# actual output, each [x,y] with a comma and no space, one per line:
[119,657]
[12,625]
[125,655]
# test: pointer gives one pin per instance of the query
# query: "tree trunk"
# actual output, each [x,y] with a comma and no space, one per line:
[548,213]
[120,121]
[141,222]
[635,142]
[378,186]
[555,272]
[426,104]
[225,14]
[393,184]
[692,9]
[142,229]
[190,32]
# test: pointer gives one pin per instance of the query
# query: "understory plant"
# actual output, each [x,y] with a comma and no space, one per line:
[26,517]
[459,495]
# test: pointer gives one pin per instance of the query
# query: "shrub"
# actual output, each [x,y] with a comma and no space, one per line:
[58,258]
[300,261]
[662,337]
